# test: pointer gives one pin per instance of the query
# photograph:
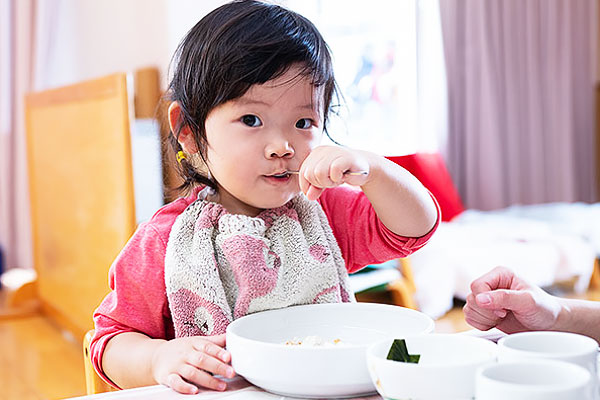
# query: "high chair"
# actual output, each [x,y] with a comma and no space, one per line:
[94,384]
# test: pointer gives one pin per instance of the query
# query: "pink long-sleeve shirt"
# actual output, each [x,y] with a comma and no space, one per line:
[138,300]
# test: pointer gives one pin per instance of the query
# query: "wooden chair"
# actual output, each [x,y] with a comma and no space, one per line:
[399,292]
[93,383]
[81,191]
[82,198]
[403,289]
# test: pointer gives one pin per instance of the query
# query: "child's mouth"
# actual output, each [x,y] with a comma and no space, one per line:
[279,177]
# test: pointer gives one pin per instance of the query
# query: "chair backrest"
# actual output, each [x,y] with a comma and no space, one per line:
[431,170]
[81,193]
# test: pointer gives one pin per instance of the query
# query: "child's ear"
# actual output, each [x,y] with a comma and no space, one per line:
[186,137]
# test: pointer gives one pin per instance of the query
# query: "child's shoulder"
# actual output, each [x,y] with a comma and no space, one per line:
[163,219]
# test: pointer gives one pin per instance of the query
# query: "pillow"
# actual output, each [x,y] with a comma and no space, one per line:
[431,170]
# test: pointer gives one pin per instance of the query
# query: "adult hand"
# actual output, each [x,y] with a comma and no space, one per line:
[186,363]
[503,300]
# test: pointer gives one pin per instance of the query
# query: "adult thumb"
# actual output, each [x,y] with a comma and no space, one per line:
[503,299]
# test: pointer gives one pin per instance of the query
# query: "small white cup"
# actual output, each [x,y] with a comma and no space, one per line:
[562,346]
[533,380]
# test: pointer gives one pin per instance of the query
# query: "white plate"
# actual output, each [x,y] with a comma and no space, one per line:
[256,343]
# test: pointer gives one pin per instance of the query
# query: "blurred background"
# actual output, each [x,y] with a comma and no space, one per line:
[497,100]
[503,90]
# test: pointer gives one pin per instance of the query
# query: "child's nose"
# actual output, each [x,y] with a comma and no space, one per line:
[279,149]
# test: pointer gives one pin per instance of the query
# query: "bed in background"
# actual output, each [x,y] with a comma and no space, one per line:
[546,243]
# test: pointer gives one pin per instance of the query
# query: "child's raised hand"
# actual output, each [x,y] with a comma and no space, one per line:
[325,166]
[183,364]
[503,300]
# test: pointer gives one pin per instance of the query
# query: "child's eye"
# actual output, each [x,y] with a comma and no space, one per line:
[304,123]
[251,120]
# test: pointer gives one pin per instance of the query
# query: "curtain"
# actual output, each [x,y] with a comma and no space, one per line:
[16,61]
[521,100]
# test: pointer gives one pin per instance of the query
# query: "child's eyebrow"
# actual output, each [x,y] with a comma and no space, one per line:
[245,101]
[310,107]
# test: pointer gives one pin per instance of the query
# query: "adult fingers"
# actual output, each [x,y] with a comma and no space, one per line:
[480,312]
[201,378]
[498,278]
[474,318]
[519,301]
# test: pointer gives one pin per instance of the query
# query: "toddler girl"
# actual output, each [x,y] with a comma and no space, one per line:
[251,93]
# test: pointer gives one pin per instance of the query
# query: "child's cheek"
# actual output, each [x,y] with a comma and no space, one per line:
[315,140]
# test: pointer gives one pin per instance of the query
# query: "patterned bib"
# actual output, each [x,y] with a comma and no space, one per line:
[221,266]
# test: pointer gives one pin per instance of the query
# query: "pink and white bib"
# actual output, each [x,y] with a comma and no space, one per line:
[220,266]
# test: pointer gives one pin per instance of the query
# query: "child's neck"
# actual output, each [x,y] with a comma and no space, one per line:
[232,204]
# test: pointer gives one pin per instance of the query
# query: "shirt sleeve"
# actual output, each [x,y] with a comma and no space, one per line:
[137,301]
[362,237]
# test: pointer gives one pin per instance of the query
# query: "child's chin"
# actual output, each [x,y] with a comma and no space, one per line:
[278,202]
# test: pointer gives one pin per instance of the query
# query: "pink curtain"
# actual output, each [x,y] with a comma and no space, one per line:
[16,65]
[521,100]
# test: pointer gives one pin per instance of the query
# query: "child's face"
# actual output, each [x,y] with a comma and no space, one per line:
[269,130]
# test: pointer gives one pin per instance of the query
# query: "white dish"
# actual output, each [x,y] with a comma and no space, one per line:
[542,345]
[259,355]
[533,380]
[563,346]
[446,369]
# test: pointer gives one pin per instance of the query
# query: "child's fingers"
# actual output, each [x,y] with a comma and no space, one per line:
[204,346]
[336,170]
[209,363]
[313,192]
[320,174]
[219,340]
[201,378]
[177,383]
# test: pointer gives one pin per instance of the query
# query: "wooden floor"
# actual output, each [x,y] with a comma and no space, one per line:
[39,362]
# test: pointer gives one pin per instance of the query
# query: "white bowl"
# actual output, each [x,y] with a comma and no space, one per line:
[533,380]
[258,352]
[562,346]
[446,369]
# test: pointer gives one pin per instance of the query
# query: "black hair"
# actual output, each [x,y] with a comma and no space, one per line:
[235,46]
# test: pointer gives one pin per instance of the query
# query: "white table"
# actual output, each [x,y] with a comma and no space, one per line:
[238,389]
